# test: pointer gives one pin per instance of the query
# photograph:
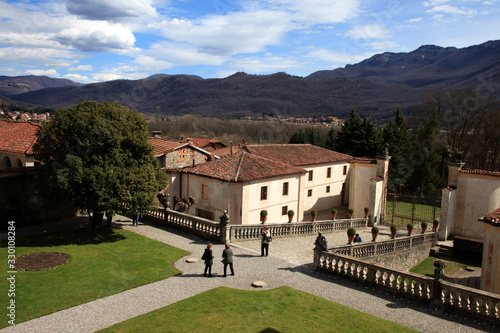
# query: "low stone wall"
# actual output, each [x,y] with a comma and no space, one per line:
[440,295]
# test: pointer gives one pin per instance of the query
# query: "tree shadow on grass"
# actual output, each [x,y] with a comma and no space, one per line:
[84,236]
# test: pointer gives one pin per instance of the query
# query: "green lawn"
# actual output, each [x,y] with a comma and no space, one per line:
[102,262]
[426,267]
[403,213]
[278,310]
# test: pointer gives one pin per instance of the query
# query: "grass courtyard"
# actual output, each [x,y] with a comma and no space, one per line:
[282,309]
[108,261]
[102,262]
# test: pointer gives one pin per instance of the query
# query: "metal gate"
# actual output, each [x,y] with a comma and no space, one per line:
[404,209]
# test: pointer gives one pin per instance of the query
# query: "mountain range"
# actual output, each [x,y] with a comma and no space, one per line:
[376,87]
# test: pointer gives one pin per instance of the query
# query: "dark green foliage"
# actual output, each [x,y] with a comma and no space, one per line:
[425,158]
[100,156]
[360,138]
[395,136]
[309,135]
[27,199]
[351,232]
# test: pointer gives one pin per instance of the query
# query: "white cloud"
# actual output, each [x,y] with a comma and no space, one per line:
[111,9]
[320,11]
[433,3]
[82,68]
[417,19]
[89,36]
[77,78]
[233,33]
[371,31]
[48,72]
[447,9]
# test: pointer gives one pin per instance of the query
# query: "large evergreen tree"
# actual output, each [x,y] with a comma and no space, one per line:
[360,138]
[425,155]
[100,157]
[395,137]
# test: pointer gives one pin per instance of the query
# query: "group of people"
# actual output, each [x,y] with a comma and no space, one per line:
[227,254]
[227,259]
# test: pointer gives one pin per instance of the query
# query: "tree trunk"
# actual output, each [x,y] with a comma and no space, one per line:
[96,219]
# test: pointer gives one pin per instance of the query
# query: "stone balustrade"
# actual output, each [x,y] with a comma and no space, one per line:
[253,231]
[205,228]
[440,295]
[400,244]
[212,230]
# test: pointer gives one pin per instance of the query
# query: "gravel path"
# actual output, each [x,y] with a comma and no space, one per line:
[295,271]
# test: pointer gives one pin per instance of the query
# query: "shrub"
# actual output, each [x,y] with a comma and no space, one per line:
[375,230]
[291,213]
[351,232]
[350,211]
[366,209]
[263,213]
[435,222]
[409,226]
[394,228]
[314,212]
[334,211]
[423,225]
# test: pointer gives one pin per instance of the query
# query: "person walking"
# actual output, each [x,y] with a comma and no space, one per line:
[227,259]
[266,239]
[208,257]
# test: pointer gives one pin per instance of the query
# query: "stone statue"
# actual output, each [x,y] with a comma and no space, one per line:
[438,271]
[320,242]
[224,218]
[164,199]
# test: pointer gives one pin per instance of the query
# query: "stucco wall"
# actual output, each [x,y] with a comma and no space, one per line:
[476,196]
[275,199]
[320,198]
[220,196]
[359,192]
[490,273]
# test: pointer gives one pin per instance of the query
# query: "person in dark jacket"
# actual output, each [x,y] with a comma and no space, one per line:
[265,240]
[208,257]
[227,259]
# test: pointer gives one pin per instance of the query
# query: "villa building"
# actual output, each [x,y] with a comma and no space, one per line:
[16,144]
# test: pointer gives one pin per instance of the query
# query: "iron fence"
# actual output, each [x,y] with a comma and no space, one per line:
[404,209]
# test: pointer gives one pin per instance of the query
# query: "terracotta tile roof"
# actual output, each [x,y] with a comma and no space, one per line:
[164,146]
[492,218]
[481,172]
[221,151]
[202,142]
[18,137]
[241,167]
[298,154]
[363,160]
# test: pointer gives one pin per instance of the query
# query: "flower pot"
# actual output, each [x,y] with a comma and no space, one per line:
[374,236]
[263,219]
[393,234]
[290,218]
[350,215]
[409,231]
[423,230]
[334,216]
[366,214]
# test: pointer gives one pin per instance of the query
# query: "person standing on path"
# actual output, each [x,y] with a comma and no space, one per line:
[266,239]
[208,256]
[227,259]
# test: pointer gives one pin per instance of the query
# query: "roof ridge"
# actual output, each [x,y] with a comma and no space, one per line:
[240,162]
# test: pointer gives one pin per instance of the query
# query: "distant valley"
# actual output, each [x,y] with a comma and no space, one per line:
[376,87]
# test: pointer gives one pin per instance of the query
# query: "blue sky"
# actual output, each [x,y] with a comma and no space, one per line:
[101,40]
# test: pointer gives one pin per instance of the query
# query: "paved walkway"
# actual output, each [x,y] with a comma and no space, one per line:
[249,267]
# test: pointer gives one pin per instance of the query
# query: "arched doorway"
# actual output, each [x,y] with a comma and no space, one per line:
[7,162]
